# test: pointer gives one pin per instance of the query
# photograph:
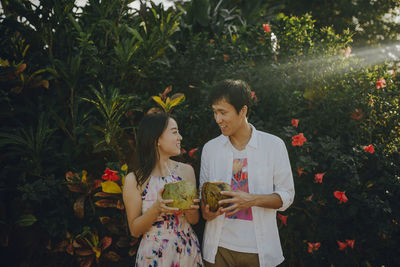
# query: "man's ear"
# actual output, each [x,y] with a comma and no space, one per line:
[243,111]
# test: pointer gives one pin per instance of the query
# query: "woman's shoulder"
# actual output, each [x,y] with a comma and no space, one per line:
[130,180]
[184,170]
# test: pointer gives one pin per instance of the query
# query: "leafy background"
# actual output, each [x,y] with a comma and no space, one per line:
[75,82]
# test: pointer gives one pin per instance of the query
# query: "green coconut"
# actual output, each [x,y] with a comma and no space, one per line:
[211,194]
[183,193]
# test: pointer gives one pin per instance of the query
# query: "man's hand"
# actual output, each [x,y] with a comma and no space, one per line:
[207,214]
[240,200]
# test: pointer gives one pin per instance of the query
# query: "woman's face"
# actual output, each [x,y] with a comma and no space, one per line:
[169,143]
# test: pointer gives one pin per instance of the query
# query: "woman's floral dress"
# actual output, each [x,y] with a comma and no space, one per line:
[171,241]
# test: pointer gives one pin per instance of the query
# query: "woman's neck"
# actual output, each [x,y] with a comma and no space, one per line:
[163,167]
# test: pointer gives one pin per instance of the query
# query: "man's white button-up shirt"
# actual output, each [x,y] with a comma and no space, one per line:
[269,172]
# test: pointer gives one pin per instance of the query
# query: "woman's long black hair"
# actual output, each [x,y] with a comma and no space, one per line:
[149,131]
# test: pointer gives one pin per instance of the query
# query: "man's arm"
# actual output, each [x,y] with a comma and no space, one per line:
[282,197]
[242,200]
[283,178]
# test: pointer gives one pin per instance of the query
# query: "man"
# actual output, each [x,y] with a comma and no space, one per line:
[256,165]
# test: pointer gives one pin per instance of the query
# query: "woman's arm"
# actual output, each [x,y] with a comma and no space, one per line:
[140,223]
[192,215]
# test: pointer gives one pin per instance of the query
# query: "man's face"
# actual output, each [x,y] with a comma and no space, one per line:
[227,118]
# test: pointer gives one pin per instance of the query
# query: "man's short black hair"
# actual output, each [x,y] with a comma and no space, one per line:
[235,92]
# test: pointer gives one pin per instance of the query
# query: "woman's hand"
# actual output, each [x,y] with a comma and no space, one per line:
[193,208]
[192,214]
[161,204]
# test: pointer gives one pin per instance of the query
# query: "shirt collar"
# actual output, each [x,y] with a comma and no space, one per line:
[252,142]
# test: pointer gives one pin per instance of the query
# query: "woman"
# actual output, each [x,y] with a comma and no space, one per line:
[167,236]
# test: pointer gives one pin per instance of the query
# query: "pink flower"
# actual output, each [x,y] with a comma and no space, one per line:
[266,28]
[342,245]
[295,122]
[313,247]
[309,198]
[341,196]
[381,83]
[318,178]
[298,140]
[369,149]
[282,218]
[110,175]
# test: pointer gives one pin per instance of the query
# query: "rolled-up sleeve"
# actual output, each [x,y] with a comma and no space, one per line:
[283,177]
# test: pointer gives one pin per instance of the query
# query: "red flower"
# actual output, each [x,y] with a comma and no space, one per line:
[341,196]
[318,178]
[350,243]
[266,28]
[313,247]
[342,245]
[226,57]
[300,171]
[183,151]
[357,114]
[309,198]
[212,40]
[298,140]
[381,83]
[253,96]
[191,152]
[110,175]
[295,122]
[282,218]
[369,149]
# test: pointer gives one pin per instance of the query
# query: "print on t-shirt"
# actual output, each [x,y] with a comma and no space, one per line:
[240,182]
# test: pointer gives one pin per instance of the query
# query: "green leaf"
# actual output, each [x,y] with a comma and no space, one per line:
[201,10]
[26,220]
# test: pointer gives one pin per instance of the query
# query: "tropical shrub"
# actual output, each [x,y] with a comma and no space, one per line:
[76,81]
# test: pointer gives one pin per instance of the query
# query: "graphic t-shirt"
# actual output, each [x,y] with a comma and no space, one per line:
[238,230]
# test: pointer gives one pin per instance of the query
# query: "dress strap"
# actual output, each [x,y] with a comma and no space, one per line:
[174,169]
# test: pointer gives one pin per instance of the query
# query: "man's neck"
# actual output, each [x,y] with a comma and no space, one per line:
[242,136]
